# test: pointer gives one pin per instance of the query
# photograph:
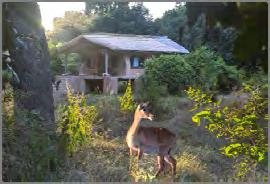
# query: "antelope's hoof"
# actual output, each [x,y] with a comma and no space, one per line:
[157,174]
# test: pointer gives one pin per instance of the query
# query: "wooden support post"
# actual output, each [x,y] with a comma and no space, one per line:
[127,65]
[106,60]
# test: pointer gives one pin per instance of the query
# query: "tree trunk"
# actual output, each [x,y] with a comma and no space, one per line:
[28,48]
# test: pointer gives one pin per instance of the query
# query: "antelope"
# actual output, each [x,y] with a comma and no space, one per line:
[151,140]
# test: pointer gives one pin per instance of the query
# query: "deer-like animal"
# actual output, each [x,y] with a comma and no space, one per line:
[153,140]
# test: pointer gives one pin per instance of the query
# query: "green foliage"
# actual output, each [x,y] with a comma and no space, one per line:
[202,68]
[122,18]
[195,36]
[258,78]
[76,122]
[210,72]
[127,104]
[238,124]
[6,77]
[58,60]
[57,66]
[29,146]
[72,24]
[148,89]
[173,23]
[222,41]
[72,62]
[100,8]
[172,71]
[246,18]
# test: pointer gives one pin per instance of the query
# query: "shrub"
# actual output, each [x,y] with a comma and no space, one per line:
[171,71]
[202,68]
[211,72]
[238,124]
[29,144]
[148,89]
[259,79]
[76,122]
[127,104]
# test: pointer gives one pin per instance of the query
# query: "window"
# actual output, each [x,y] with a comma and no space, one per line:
[136,62]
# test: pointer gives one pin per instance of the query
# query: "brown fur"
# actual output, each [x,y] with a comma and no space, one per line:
[151,138]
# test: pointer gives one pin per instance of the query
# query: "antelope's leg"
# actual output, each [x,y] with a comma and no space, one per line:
[160,160]
[130,152]
[140,152]
[170,160]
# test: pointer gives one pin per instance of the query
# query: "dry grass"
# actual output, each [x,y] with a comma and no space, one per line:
[191,168]
[106,157]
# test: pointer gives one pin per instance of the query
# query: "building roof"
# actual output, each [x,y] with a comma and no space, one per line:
[126,42]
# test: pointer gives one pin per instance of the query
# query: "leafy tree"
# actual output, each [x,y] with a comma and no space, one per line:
[250,48]
[57,66]
[195,37]
[222,41]
[124,19]
[238,124]
[72,24]
[173,23]
[217,38]
[99,8]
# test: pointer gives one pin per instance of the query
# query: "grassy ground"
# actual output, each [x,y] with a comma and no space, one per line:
[106,157]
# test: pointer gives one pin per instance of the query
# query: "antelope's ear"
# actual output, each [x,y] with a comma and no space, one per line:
[141,106]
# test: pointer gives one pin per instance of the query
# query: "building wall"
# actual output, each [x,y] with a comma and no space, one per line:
[131,71]
[93,63]
[89,64]
[116,64]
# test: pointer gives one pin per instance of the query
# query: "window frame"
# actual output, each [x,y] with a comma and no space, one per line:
[141,61]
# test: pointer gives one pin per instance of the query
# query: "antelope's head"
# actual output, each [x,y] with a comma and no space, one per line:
[144,112]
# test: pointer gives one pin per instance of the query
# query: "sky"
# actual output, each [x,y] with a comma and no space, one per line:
[50,10]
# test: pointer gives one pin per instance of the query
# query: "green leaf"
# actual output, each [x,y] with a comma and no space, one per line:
[231,150]
[197,117]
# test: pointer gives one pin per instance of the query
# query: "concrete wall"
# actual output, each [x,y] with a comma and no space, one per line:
[110,85]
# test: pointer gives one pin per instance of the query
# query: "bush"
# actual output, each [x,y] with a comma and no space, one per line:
[238,124]
[148,90]
[29,144]
[171,71]
[211,72]
[202,68]
[76,122]
[127,104]
[258,79]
